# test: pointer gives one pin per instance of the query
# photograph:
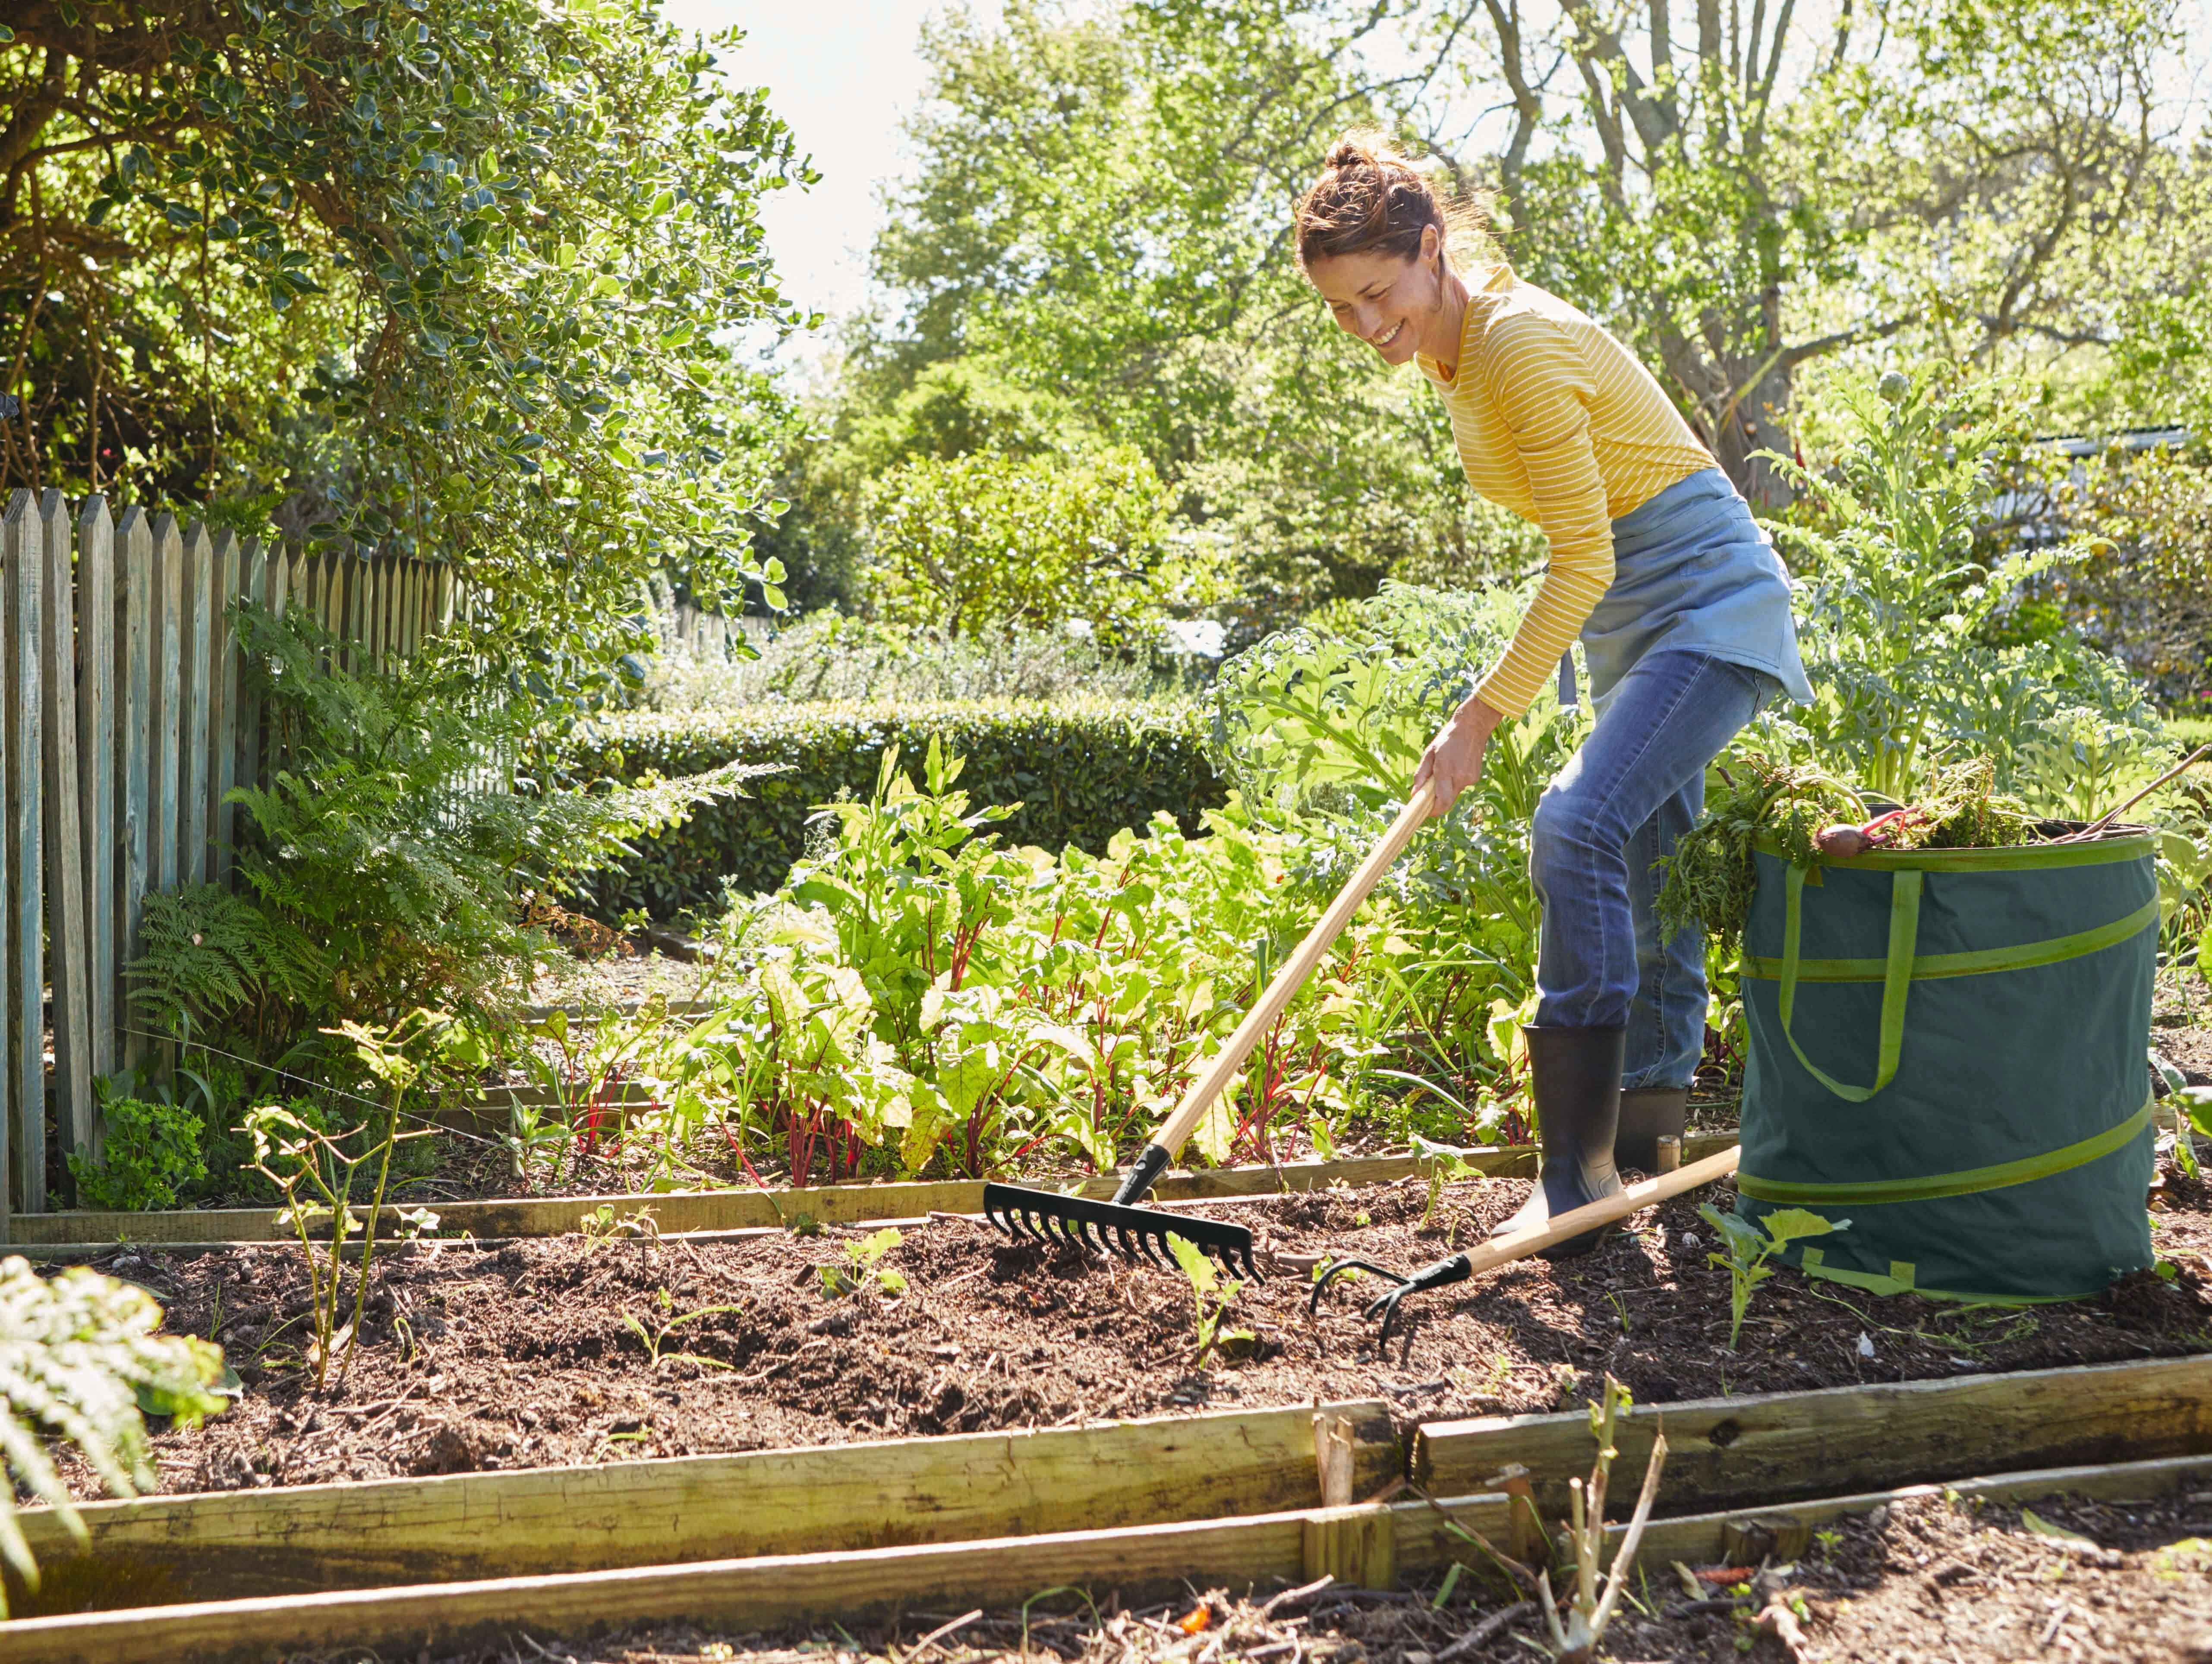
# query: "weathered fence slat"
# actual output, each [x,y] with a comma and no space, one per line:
[168,691]
[64,832]
[95,756]
[134,742]
[222,710]
[27,961]
[199,687]
[246,743]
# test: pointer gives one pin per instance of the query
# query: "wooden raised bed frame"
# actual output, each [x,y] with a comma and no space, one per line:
[687,1212]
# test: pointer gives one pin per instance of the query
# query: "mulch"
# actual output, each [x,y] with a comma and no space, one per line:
[1925,1580]
[530,1354]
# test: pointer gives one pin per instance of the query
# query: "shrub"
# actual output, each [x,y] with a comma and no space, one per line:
[974,544]
[151,1155]
[1080,773]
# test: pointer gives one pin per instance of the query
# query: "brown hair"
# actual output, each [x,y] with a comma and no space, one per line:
[1369,199]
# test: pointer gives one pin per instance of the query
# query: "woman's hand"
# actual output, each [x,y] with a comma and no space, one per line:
[1454,759]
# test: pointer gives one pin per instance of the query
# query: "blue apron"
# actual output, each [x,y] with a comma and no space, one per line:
[1693,572]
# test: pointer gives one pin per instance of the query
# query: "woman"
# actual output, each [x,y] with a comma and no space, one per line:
[1681,606]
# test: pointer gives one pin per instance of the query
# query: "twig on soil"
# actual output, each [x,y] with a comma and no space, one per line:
[1484,1630]
[939,1633]
[1290,1597]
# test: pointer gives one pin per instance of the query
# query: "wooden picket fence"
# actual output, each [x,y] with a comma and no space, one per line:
[128,723]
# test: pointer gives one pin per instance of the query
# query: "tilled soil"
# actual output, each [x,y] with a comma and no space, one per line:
[543,1353]
[1923,1581]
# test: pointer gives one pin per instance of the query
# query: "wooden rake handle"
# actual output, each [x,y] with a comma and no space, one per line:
[1504,1250]
[1296,969]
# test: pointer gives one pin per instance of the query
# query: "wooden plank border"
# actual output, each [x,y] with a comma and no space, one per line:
[1779,1446]
[469,1527]
[1377,1545]
[687,1212]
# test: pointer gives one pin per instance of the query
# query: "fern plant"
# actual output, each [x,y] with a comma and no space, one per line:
[385,853]
[80,1355]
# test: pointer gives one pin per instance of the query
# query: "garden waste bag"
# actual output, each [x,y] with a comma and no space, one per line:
[1948,1049]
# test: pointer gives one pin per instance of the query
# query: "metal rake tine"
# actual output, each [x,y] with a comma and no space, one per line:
[1094,1236]
[1155,1241]
[1122,1245]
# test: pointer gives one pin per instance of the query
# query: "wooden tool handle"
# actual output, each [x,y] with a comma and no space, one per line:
[1300,965]
[1506,1249]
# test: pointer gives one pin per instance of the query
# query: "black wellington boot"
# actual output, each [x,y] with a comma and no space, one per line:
[1647,1115]
[1574,1076]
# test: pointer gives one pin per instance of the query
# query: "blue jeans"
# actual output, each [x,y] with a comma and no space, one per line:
[1638,784]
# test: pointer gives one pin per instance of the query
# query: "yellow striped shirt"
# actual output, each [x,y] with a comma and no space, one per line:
[1556,422]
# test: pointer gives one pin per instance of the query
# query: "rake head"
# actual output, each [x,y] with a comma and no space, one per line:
[1115,1228]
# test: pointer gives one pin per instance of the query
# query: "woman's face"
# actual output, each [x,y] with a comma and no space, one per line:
[1395,306]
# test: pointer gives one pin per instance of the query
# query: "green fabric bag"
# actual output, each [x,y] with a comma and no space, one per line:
[1949,1049]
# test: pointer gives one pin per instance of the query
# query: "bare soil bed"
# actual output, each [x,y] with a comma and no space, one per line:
[1921,1580]
[530,1354]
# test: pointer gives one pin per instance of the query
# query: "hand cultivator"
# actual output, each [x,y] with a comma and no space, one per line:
[1128,1229]
[1503,1250]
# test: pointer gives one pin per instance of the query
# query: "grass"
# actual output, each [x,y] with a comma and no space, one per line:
[2190,731]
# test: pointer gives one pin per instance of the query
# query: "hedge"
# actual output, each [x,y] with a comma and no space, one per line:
[1080,773]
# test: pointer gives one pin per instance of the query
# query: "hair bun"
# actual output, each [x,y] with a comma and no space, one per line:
[1350,152]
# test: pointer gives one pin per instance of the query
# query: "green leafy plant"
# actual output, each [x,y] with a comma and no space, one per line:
[666,1323]
[1748,1248]
[1590,1606]
[1211,1295]
[80,1361]
[863,1265]
[150,1154]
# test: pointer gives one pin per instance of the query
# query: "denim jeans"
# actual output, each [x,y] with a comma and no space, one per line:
[1638,784]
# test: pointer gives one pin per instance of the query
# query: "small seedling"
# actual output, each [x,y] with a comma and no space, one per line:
[1749,1247]
[1589,1610]
[600,1227]
[864,1264]
[1209,1295]
[657,1338]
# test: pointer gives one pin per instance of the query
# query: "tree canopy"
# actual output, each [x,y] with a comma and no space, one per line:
[460,276]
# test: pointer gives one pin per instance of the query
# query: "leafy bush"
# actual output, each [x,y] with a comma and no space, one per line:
[151,1155]
[1898,605]
[386,859]
[80,1359]
[829,658]
[1080,773]
[974,544]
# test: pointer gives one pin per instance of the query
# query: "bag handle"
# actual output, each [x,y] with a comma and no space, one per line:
[1896,977]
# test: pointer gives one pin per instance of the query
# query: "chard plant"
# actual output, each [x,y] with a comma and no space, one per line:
[1748,1248]
[666,1322]
[1211,1295]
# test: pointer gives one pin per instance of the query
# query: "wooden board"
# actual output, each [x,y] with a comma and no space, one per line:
[245,751]
[167,694]
[1775,1446]
[472,1525]
[222,706]
[97,682]
[1696,1539]
[68,942]
[25,829]
[134,743]
[197,679]
[740,1209]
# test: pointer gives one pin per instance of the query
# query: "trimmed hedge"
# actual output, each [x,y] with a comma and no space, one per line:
[1080,773]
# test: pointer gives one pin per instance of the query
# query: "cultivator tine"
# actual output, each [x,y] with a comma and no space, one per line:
[1116,1227]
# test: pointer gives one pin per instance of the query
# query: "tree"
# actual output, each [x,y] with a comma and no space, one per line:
[1744,199]
[454,276]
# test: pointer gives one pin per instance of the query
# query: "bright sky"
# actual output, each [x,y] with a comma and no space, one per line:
[843,73]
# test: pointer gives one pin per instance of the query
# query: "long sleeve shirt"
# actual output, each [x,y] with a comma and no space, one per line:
[1558,422]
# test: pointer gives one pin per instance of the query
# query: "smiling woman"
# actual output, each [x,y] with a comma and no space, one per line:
[1681,606]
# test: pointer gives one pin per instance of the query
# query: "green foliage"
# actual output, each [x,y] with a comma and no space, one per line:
[1747,1247]
[1211,1296]
[450,275]
[385,858]
[80,1362]
[666,1323]
[1078,772]
[150,1154]
[977,544]
[863,1265]
[1897,599]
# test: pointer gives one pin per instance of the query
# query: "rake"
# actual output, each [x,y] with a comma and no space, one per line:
[1119,1225]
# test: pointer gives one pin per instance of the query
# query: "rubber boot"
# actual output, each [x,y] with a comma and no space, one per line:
[1647,1114]
[1574,1076]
